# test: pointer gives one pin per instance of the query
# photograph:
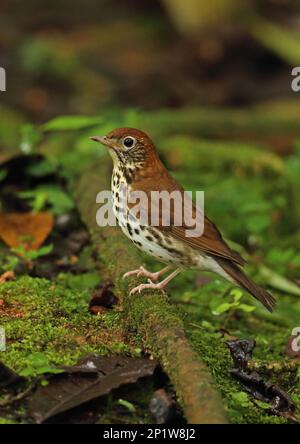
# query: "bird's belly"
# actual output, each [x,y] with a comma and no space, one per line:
[161,245]
[143,239]
[157,244]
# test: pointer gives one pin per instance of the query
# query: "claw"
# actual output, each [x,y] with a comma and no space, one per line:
[142,272]
[151,285]
[158,286]
[139,272]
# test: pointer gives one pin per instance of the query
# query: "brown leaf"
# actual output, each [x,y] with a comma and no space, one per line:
[290,350]
[27,229]
[163,407]
[280,402]
[8,377]
[93,377]
[102,298]
[7,276]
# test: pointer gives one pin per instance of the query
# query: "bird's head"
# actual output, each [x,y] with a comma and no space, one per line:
[128,146]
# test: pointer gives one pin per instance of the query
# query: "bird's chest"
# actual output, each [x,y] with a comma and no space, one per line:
[147,238]
[119,189]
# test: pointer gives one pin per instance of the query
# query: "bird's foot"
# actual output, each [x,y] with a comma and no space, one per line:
[151,285]
[142,272]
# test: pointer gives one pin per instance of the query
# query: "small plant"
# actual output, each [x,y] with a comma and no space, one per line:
[236,304]
[38,364]
[32,255]
[10,263]
[128,405]
[20,254]
[48,195]
[241,398]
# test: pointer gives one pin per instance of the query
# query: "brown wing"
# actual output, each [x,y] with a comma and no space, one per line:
[210,242]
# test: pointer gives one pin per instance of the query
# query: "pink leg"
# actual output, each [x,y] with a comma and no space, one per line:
[159,286]
[142,272]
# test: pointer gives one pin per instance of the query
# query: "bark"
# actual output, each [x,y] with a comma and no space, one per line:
[150,316]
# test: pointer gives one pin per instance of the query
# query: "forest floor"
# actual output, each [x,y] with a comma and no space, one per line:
[60,307]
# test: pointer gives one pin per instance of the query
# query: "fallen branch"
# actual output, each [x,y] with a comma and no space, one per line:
[151,316]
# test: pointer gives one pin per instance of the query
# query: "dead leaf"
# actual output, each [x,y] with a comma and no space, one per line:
[163,407]
[289,349]
[241,352]
[8,377]
[27,229]
[7,276]
[93,377]
[280,402]
[103,298]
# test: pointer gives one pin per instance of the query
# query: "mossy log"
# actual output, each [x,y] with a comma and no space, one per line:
[151,316]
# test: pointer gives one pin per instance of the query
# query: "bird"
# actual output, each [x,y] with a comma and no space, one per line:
[138,167]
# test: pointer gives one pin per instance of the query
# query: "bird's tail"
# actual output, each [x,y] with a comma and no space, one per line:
[237,275]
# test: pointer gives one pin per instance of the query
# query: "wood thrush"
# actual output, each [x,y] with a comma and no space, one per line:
[137,167]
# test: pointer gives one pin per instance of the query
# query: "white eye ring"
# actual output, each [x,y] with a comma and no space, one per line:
[128,142]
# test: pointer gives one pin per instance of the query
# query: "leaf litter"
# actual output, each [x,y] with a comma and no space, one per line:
[93,377]
[8,377]
[25,229]
[103,298]
[280,402]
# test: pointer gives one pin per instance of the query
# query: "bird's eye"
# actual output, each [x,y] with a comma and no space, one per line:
[129,142]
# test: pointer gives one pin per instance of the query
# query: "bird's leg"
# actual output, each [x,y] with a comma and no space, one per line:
[159,285]
[142,272]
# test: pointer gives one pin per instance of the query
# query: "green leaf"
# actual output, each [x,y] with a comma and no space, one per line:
[38,199]
[71,123]
[241,398]
[222,308]
[284,42]
[30,136]
[3,174]
[60,201]
[10,263]
[208,326]
[237,294]
[33,254]
[246,308]
[128,405]
[53,195]
[43,168]
[38,365]
[262,405]
[42,251]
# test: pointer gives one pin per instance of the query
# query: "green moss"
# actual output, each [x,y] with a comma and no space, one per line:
[53,319]
[271,338]
[270,331]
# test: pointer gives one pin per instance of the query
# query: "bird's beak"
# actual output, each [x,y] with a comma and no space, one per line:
[101,139]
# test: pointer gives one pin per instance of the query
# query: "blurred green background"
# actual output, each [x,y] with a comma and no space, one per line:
[82,57]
